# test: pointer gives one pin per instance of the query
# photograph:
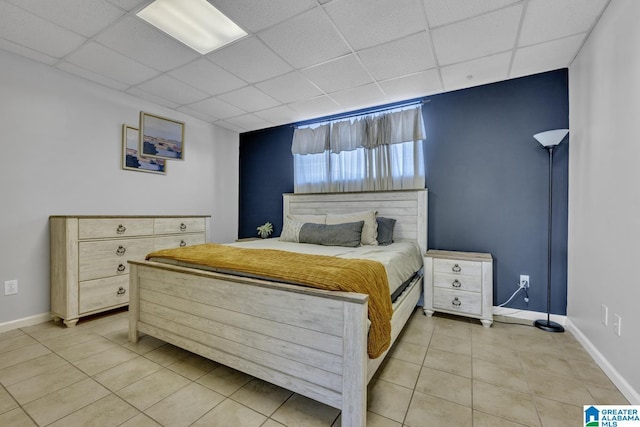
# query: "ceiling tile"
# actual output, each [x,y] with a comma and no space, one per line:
[441,12]
[151,98]
[230,126]
[28,30]
[378,21]
[289,87]
[360,97]
[140,41]
[172,89]
[400,57]
[90,75]
[306,39]
[207,77]
[215,107]
[481,36]
[256,15]
[129,4]
[249,121]
[413,86]
[250,60]
[569,17]
[546,56]
[279,115]
[477,72]
[339,74]
[86,17]
[249,99]
[316,107]
[26,52]
[101,60]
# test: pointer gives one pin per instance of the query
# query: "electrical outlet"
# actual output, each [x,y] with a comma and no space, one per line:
[524,280]
[604,315]
[617,324]
[10,287]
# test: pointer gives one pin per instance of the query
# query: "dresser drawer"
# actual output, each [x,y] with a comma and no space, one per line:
[106,258]
[97,228]
[456,266]
[457,301]
[178,225]
[455,281]
[103,293]
[167,242]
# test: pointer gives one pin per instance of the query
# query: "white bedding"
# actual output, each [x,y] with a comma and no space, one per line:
[401,259]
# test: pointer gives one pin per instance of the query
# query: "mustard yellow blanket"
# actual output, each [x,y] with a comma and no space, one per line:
[319,271]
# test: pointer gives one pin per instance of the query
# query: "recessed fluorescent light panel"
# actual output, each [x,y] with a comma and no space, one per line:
[195,23]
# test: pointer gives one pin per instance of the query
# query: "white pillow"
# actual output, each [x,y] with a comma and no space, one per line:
[370,229]
[314,219]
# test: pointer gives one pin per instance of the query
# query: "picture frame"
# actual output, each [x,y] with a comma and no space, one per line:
[161,137]
[131,160]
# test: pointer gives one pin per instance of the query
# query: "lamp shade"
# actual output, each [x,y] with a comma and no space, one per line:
[551,138]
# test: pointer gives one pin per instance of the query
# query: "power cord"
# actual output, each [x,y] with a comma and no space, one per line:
[526,294]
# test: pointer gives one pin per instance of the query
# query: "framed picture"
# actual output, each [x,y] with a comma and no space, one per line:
[160,137]
[134,162]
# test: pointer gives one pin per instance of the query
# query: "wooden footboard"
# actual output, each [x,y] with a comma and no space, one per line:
[306,340]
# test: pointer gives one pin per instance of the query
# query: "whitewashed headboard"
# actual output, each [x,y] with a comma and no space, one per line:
[407,207]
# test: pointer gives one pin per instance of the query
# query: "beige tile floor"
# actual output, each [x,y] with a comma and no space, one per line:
[442,372]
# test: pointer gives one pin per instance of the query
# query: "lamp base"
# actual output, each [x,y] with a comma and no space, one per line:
[548,325]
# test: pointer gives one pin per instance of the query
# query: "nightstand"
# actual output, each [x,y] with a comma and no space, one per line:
[459,283]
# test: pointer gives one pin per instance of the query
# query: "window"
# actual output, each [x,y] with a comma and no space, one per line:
[365,153]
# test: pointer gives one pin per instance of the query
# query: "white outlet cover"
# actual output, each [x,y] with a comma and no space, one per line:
[10,287]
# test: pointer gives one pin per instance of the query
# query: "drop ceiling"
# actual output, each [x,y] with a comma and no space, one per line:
[302,58]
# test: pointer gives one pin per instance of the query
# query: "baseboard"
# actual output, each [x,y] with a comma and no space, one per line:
[625,388]
[27,321]
[523,317]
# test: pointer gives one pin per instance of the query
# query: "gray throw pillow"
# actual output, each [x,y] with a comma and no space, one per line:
[385,230]
[345,234]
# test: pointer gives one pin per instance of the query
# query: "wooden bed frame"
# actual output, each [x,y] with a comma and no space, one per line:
[310,341]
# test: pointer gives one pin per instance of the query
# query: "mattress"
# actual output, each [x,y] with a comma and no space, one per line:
[401,259]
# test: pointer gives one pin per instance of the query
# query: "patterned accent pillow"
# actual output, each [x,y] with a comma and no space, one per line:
[291,230]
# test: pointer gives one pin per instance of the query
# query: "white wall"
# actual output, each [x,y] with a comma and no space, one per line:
[604,191]
[60,153]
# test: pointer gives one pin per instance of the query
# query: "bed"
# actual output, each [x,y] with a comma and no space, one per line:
[310,341]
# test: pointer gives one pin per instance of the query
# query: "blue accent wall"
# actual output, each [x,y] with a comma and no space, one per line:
[486,174]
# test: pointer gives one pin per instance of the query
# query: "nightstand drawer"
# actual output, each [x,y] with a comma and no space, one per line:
[454,281]
[457,301]
[103,293]
[456,266]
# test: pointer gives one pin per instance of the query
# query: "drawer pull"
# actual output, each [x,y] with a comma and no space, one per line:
[121,291]
[121,268]
[183,243]
[456,302]
[121,229]
[183,226]
[121,250]
[456,268]
[456,283]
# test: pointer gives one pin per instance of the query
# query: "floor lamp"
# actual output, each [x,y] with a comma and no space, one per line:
[549,140]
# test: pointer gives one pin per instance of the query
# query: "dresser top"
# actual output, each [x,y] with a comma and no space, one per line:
[465,256]
[127,216]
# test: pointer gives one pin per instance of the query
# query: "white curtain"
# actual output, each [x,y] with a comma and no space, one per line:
[365,153]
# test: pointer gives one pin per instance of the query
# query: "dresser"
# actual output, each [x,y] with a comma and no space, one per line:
[459,283]
[89,254]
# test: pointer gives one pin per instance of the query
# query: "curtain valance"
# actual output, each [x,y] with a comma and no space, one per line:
[362,132]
